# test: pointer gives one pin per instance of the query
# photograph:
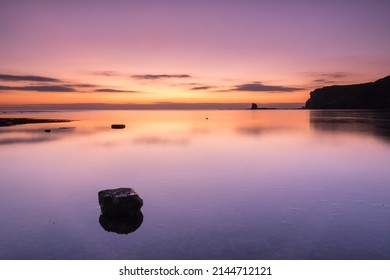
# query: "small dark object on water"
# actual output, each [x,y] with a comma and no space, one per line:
[121,202]
[47,130]
[254,106]
[207,118]
[118,126]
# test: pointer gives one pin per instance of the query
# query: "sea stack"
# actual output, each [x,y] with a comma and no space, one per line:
[254,106]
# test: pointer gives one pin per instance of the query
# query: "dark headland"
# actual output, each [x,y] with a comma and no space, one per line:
[374,95]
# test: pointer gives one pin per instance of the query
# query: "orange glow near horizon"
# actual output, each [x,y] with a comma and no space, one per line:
[197,52]
[23,98]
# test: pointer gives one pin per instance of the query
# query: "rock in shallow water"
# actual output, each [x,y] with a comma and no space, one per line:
[118,126]
[121,202]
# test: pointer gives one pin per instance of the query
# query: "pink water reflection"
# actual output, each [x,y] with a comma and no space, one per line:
[216,185]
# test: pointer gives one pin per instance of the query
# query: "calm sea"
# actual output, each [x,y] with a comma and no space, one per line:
[273,184]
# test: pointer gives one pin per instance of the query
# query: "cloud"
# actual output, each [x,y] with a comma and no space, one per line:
[336,75]
[257,86]
[329,75]
[328,78]
[161,76]
[80,85]
[39,88]
[324,81]
[106,73]
[112,90]
[46,84]
[5,77]
[201,88]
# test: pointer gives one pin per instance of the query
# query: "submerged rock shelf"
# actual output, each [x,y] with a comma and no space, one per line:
[19,121]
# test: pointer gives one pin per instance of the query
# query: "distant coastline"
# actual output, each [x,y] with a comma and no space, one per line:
[153,106]
[372,95]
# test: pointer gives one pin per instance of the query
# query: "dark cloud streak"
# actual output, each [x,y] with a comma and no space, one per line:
[328,78]
[335,75]
[106,73]
[16,78]
[324,81]
[161,76]
[80,85]
[39,88]
[201,88]
[113,90]
[257,86]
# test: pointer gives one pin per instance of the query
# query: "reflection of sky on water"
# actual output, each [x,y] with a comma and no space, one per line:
[146,127]
[19,134]
[240,185]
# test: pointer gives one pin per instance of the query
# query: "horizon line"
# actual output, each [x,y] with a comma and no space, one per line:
[147,106]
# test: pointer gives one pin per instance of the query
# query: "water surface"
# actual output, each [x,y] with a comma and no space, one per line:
[215,184]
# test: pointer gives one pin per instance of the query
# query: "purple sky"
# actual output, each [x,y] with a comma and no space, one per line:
[188,51]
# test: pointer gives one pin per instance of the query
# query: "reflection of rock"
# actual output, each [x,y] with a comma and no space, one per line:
[120,210]
[375,123]
[120,202]
[122,225]
[118,126]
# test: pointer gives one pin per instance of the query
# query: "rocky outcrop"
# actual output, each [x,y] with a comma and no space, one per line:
[118,126]
[120,202]
[19,121]
[374,95]
[120,210]
[255,107]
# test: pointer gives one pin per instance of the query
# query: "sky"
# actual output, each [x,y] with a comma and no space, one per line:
[193,53]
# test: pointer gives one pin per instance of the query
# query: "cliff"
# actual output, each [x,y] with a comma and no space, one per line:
[374,95]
